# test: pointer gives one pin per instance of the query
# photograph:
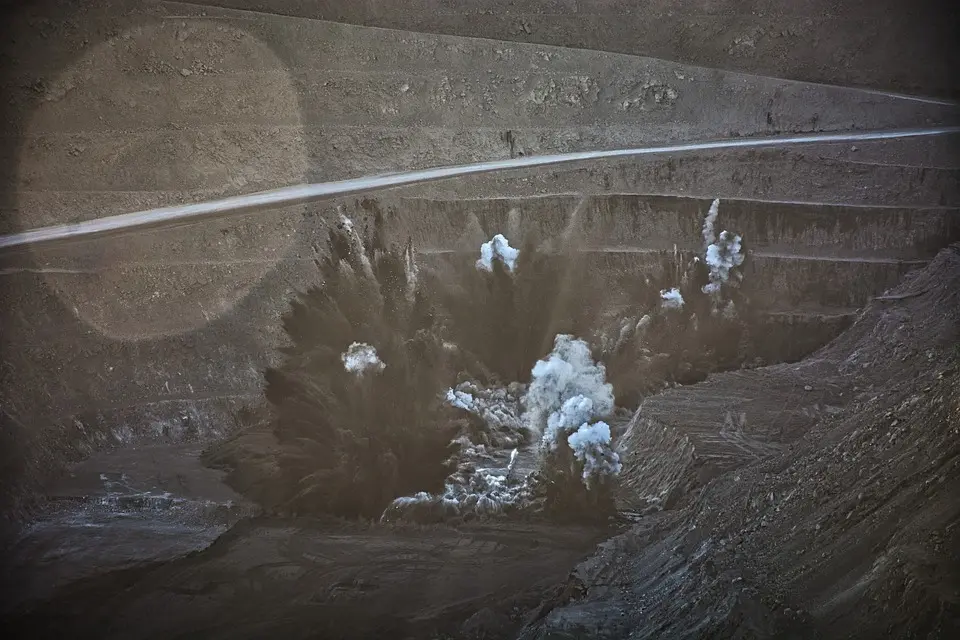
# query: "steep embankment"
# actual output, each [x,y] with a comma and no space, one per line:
[850,531]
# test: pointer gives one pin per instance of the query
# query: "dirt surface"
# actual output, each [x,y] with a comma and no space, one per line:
[809,500]
[890,44]
[118,509]
[301,579]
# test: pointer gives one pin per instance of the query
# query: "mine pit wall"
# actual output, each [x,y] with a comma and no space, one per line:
[223,356]
[667,459]
[160,335]
[70,388]
[661,222]
[779,285]
[684,436]
[810,266]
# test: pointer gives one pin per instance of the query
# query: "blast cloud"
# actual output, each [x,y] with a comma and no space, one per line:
[572,391]
[567,394]
[360,358]
[592,446]
[567,372]
[498,248]
[472,488]
[722,257]
[459,399]
[722,254]
[499,408]
[671,299]
[575,412]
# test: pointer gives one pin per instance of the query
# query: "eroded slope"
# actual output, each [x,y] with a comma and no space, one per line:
[851,531]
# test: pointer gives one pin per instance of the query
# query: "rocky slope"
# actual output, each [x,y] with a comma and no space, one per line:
[843,523]
[846,526]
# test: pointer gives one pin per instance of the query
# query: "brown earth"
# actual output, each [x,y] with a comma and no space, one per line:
[885,44]
[836,523]
[836,514]
[302,579]
[832,509]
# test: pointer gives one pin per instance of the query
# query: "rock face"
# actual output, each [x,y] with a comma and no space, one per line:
[686,435]
[834,512]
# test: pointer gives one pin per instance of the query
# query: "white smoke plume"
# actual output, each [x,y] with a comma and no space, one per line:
[591,445]
[567,372]
[513,461]
[360,358]
[671,299]
[722,257]
[356,243]
[709,237]
[498,248]
[722,254]
[575,412]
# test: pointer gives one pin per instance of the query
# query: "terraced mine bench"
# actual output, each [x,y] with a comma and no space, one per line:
[163,334]
[159,337]
[810,267]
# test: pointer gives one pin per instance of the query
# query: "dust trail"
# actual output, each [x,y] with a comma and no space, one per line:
[573,224]
[566,290]
[287,196]
[514,225]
